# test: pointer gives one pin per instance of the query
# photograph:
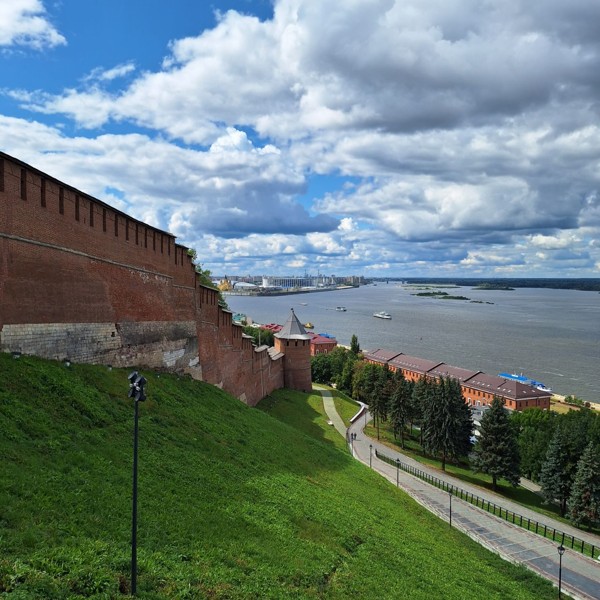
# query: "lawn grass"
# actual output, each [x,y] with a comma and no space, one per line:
[345,406]
[234,502]
[561,407]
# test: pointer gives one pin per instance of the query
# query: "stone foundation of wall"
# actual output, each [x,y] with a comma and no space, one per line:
[154,345]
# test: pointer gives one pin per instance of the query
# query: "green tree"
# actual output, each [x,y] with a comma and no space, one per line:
[379,400]
[204,276]
[584,501]
[496,451]
[400,405]
[338,357]
[344,381]
[535,430]
[261,337]
[354,346]
[578,426]
[320,367]
[555,478]
[421,391]
[447,422]
[363,381]
[464,419]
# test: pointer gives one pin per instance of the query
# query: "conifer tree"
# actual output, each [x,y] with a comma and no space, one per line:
[464,419]
[584,501]
[555,478]
[447,422]
[400,405]
[379,402]
[496,452]
[354,345]
[421,391]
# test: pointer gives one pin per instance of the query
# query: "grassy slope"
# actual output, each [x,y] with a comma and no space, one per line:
[233,502]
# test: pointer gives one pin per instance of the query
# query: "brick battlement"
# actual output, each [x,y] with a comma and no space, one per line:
[82,280]
[59,215]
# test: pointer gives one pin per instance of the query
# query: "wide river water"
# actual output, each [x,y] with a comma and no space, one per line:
[550,335]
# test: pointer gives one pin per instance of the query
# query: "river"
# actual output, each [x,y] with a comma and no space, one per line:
[549,335]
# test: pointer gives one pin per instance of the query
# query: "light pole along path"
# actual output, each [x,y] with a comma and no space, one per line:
[580,574]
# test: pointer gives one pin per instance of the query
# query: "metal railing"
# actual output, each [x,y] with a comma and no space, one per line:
[565,539]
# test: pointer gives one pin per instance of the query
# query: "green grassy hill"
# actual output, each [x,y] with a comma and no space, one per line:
[233,502]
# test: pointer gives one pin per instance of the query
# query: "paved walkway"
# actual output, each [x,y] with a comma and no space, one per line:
[580,574]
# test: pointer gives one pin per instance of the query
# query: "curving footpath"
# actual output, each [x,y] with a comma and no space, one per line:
[580,574]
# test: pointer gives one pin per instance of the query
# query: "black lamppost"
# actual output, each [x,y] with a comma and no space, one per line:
[561,551]
[136,391]
[370,455]
[450,495]
[397,472]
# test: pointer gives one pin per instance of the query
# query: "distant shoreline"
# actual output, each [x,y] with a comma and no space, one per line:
[589,284]
[286,292]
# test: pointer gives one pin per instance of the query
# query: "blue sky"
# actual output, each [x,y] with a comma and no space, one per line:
[379,137]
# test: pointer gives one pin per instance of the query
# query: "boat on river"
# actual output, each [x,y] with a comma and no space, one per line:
[382,315]
[526,380]
[309,325]
[340,308]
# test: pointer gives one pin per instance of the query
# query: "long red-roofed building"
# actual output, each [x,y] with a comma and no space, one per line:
[478,388]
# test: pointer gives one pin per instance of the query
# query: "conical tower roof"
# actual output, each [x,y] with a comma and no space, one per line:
[293,329]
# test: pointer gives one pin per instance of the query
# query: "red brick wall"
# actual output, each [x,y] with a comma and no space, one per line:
[68,258]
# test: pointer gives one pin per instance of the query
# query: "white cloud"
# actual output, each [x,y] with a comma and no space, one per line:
[100,74]
[468,129]
[554,242]
[231,190]
[24,23]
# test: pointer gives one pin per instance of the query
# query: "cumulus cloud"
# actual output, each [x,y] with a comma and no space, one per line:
[25,23]
[231,190]
[469,131]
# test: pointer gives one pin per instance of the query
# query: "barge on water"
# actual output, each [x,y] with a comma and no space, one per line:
[527,380]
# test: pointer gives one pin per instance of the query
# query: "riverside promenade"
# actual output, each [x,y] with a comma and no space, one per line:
[580,574]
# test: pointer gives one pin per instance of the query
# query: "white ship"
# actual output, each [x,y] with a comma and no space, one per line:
[382,315]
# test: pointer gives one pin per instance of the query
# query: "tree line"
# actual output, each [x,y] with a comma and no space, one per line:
[561,452]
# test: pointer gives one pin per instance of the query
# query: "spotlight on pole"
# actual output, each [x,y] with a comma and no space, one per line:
[136,391]
[370,455]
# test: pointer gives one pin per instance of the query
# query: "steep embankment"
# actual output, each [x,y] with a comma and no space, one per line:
[233,503]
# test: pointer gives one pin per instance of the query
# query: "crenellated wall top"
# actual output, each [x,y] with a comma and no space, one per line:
[36,206]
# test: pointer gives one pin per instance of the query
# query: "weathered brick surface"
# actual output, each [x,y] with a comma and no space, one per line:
[170,345]
[81,280]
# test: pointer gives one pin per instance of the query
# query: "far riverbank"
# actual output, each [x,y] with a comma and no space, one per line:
[285,292]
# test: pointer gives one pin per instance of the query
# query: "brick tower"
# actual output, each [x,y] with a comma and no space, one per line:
[294,343]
